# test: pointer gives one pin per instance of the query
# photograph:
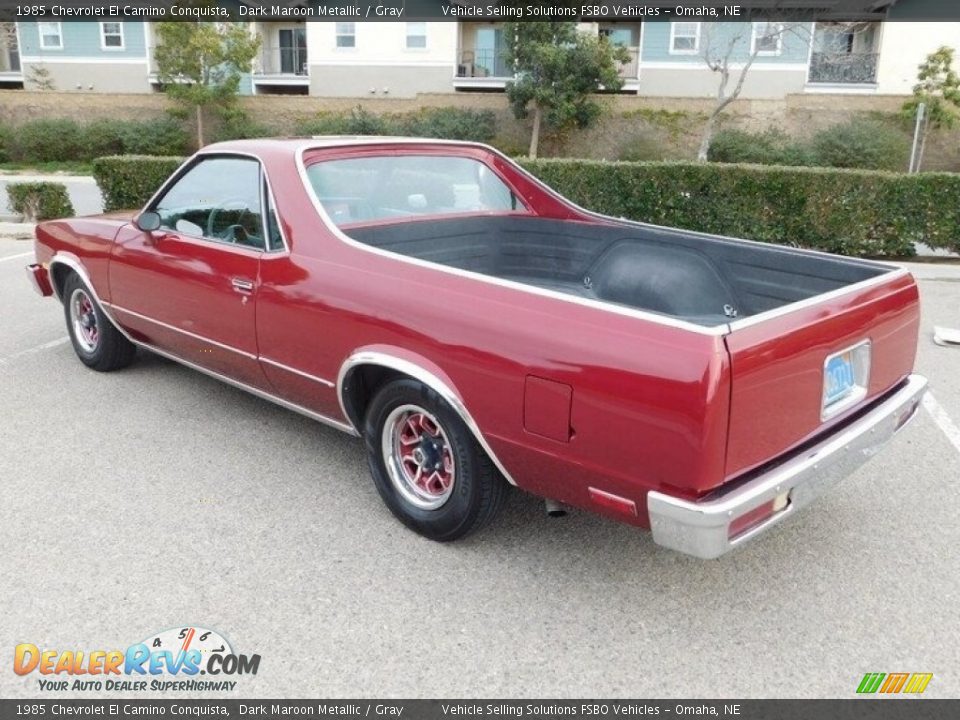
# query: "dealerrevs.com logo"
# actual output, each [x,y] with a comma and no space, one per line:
[169,660]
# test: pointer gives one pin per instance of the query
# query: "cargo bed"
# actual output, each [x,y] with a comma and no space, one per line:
[703,280]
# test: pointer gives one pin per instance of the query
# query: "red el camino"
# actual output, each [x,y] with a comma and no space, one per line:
[478,331]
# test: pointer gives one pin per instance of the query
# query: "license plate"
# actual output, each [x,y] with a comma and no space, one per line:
[846,375]
[838,378]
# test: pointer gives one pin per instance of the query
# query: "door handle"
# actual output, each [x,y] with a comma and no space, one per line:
[242,285]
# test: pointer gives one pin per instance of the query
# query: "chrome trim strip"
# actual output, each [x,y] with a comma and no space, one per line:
[717,330]
[702,528]
[293,370]
[162,324]
[406,367]
[343,427]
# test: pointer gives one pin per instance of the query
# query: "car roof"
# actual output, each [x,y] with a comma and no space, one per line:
[295,144]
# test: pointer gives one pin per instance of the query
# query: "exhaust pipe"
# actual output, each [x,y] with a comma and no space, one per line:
[554,509]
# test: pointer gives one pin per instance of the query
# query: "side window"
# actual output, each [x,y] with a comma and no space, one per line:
[217,199]
[394,187]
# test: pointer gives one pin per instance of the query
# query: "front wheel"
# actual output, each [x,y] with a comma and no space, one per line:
[427,465]
[98,344]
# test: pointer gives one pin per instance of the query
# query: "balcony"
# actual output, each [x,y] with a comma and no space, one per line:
[483,64]
[486,68]
[840,68]
[10,69]
[283,61]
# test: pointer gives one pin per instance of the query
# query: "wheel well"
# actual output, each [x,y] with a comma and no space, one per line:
[58,275]
[359,387]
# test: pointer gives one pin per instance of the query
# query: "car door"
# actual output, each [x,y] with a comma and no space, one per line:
[189,288]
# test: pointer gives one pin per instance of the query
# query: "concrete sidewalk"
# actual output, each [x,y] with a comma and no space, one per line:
[16,230]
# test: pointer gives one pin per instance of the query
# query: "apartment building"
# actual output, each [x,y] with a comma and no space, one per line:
[402,59]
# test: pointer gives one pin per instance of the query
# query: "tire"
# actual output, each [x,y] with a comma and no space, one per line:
[96,341]
[409,427]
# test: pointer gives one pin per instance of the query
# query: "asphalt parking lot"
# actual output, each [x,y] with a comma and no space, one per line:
[156,497]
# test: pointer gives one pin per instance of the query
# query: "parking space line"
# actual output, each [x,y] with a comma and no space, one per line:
[34,350]
[942,420]
[14,257]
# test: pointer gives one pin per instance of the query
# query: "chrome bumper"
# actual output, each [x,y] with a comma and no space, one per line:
[702,529]
[40,279]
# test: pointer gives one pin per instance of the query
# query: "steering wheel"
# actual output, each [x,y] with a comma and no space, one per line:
[234,232]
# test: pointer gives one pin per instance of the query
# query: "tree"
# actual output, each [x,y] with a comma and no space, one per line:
[720,45]
[938,88]
[201,63]
[557,70]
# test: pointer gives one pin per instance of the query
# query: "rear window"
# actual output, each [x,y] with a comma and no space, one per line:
[386,188]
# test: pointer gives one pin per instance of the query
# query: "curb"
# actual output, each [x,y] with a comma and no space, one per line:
[16,229]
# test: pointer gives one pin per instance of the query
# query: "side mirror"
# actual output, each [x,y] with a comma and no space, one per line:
[147,221]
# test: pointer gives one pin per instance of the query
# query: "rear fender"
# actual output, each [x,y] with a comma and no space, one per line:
[419,368]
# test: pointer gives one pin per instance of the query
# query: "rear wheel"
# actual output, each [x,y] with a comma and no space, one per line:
[427,465]
[98,344]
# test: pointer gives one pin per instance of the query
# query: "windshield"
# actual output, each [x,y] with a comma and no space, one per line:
[399,186]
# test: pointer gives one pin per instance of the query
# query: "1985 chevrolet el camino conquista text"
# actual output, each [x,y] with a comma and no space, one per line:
[478,331]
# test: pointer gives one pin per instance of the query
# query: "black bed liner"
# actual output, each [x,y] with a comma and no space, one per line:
[700,279]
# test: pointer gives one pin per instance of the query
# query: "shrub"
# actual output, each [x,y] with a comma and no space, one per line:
[4,144]
[771,147]
[643,148]
[448,123]
[39,200]
[867,144]
[235,124]
[851,212]
[128,181]
[42,141]
[159,137]
[47,141]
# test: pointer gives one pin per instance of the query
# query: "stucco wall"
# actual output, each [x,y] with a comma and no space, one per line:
[78,76]
[400,81]
[905,45]
[761,83]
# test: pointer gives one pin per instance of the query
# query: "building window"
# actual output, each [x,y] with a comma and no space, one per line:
[111,35]
[767,38]
[346,35]
[684,38]
[416,35]
[51,38]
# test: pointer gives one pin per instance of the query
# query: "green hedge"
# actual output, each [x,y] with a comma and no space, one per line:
[39,200]
[42,141]
[851,212]
[128,181]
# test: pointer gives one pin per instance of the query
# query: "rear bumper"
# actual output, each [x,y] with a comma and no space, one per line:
[703,529]
[40,279]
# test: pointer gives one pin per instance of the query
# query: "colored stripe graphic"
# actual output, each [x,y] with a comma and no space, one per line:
[870,682]
[893,683]
[918,682]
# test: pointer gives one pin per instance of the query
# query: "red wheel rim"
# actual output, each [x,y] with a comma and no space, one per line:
[419,456]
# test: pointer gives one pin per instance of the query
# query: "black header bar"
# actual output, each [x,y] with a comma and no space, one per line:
[48,708]
[478,10]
